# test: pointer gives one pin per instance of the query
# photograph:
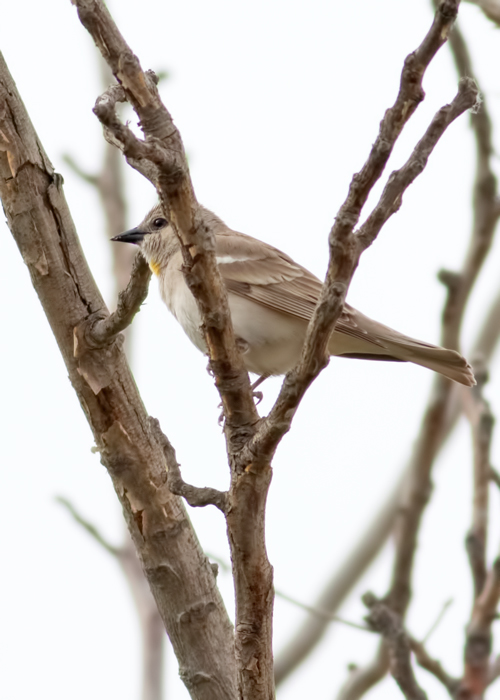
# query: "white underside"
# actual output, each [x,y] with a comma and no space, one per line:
[274,339]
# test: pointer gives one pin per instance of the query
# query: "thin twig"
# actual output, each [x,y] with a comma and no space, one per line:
[130,300]
[316,612]
[399,181]
[361,679]
[433,666]
[494,476]
[323,614]
[196,496]
[89,527]
[494,671]
[161,158]
[437,621]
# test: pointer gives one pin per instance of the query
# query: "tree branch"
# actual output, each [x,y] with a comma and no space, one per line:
[38,217]
[346,246]
[167,168]
[433,666]
[362,679]
[444,405]
[97,332]
[389,625]
[478,643]
[400,180]
[481,420]
[436,416]
[164,163]
[194,495]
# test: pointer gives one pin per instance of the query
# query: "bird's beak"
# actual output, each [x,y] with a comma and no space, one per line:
[133,236]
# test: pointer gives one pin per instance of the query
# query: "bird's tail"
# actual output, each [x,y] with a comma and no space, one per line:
[446,362]
[367,339]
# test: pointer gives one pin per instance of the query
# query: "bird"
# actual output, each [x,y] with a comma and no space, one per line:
[271,300]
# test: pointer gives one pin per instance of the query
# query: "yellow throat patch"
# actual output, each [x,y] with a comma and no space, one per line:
[155,267]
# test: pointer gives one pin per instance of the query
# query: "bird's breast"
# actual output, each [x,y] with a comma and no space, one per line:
[181,303]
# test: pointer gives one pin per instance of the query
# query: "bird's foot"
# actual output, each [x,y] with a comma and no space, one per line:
[257,396]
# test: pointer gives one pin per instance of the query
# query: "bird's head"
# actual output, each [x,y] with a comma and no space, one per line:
[154,236]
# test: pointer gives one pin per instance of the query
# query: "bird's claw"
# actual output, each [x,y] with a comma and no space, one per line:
[257,396]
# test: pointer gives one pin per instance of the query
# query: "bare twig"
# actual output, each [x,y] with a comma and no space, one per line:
[99,331]
[89,527]
[322,614]
[361,679]
[110,187]
[194,495]
[494,476]
[437,621]
[375,535]
[485,198]
[494,671]
[433,666]
[398,182]
[388,623]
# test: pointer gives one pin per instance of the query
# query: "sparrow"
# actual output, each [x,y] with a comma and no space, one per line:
[271,300]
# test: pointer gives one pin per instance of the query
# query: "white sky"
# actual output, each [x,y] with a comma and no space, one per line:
[278,103]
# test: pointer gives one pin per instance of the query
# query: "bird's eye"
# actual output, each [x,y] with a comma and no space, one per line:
[159,223]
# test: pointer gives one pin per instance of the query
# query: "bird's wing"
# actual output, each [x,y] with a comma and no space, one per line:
[263,274]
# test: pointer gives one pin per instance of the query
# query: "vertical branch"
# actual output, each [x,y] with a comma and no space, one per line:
[478,641]
[478,411]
